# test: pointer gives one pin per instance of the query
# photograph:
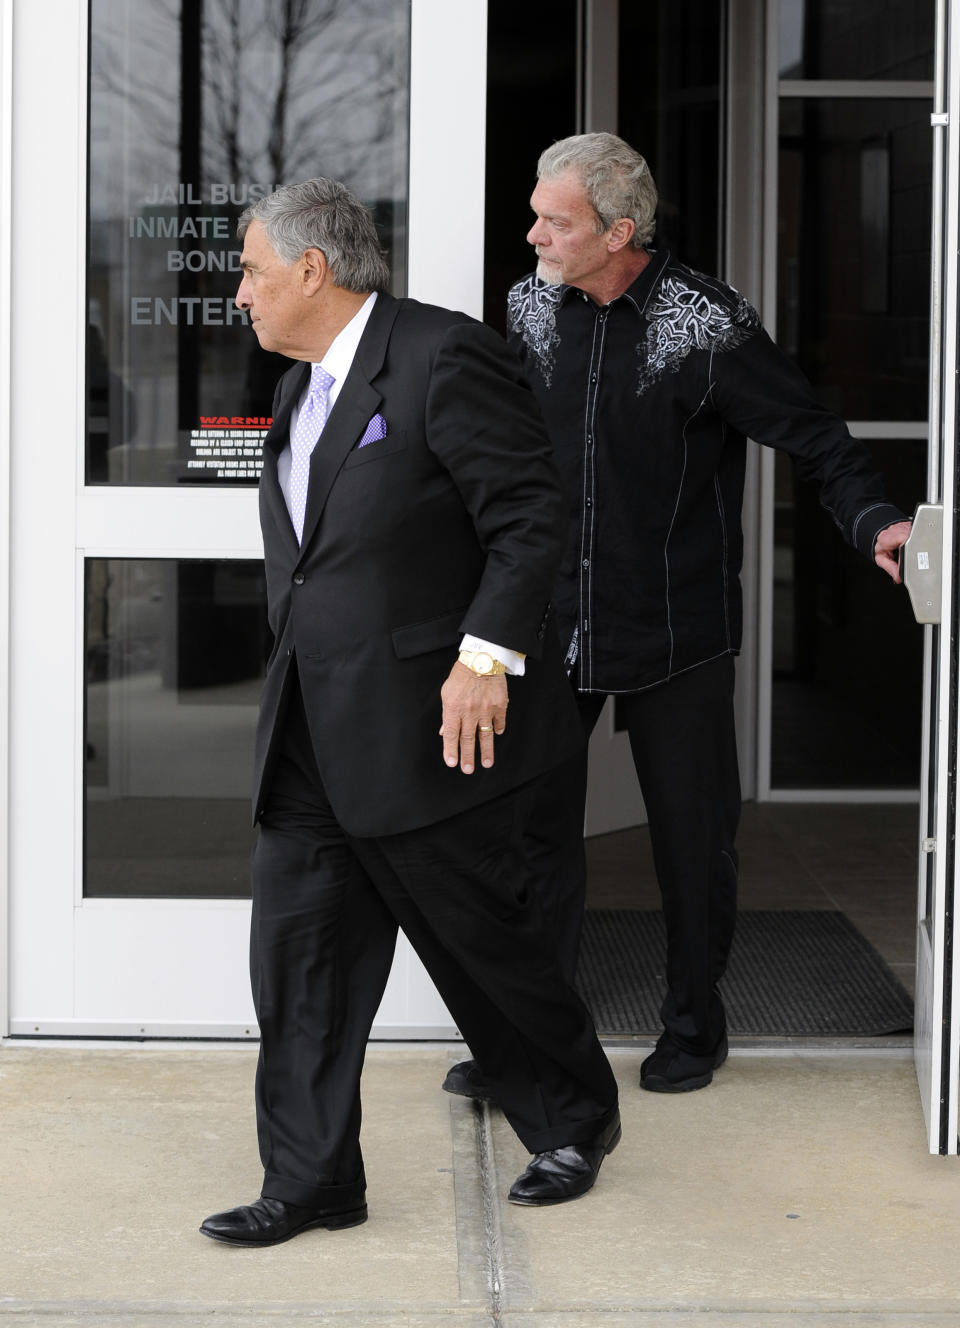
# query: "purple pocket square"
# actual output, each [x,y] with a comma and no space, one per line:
[375,430]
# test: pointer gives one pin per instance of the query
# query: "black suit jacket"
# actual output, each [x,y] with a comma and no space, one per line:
[451,523]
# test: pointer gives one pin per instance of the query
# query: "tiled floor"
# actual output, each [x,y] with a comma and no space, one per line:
[860,859]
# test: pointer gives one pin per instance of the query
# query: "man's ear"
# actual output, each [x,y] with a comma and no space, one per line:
[313,270]
[620,234]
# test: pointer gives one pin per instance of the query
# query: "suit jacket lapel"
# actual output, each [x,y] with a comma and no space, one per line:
[356,402]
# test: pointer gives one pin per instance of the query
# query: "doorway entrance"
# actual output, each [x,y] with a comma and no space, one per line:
[830,751]
[843,130]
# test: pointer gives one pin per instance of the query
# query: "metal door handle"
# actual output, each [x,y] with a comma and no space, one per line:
[921,562]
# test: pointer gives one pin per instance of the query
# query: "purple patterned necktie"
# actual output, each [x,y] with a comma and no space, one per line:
[310,422]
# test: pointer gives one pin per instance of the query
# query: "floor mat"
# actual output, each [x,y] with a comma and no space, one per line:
[793,973]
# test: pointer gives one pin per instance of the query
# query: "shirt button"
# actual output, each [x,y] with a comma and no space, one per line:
[586,562]
[298,579]
[593,378]
[588,502]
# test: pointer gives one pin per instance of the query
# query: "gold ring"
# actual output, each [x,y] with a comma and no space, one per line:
[486,728]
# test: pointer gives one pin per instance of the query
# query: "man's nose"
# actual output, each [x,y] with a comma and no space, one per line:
[535,235]
[242,299]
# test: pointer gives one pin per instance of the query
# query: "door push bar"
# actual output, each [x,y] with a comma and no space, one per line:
[921,562]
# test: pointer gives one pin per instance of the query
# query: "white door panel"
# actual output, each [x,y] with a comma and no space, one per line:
[155,966]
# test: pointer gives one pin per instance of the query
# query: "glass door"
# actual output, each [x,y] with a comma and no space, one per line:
[931,575]
[847,292]
[140,398]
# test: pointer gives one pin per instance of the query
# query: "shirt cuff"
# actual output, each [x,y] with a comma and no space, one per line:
[869,524]
[512,660]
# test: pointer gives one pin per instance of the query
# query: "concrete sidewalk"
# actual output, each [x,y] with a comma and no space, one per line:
[796,1190]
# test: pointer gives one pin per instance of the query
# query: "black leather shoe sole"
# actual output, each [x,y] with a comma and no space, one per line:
[331,1221]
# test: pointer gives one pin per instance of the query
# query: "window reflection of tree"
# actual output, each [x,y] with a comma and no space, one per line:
[306,87]
[290,88]
[238,93]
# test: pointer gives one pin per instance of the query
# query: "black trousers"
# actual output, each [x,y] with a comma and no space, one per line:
[683,742]
[326,907]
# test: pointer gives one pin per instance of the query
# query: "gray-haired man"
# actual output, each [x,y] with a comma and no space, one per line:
[651,377]
[411,519]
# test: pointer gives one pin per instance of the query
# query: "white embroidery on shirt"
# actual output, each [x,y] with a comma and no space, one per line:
[573,650]
[683,319]
[532,314]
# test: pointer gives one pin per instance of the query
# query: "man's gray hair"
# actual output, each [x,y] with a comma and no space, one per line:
[617,180]
[323,214]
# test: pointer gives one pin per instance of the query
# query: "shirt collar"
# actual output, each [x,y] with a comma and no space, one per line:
[343,348]
[638,292]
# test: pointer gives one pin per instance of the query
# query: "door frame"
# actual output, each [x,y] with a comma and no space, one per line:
[937,1004]
[83,967]
[6,326]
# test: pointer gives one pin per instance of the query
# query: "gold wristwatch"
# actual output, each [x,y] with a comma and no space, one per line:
[482,664]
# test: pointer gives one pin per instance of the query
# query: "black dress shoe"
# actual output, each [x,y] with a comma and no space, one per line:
[565,1173]
[271,1221]
[670,1069]
[466,1080]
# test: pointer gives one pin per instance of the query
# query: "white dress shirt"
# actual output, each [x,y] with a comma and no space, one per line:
[337,362]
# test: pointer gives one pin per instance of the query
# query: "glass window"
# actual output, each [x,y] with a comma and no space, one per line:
[531,102]
[847,39]
[847,652]
[854,251]
[175,654]
[670,110]
[195,111]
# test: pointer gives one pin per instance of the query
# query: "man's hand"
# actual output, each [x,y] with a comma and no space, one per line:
[472,708]
[888,542]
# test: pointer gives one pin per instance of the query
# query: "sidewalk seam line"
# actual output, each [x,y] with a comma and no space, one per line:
[492,1230]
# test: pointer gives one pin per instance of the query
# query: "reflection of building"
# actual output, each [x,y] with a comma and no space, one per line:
[791,143]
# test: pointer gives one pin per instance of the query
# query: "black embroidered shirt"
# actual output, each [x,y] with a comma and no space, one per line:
[648,401]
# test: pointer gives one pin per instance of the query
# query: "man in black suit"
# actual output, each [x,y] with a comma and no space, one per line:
[410,510]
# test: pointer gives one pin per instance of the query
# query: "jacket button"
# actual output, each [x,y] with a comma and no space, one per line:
[298,579]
